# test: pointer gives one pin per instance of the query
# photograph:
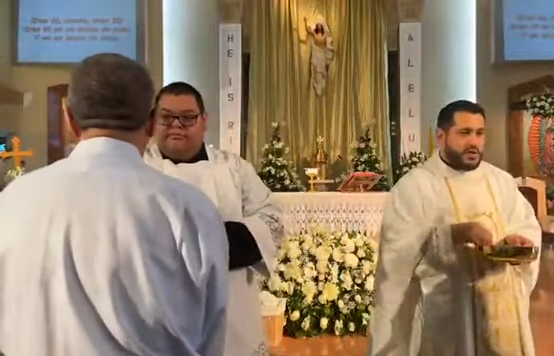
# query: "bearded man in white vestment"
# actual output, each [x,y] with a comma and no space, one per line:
[102,255]
[252,219]
[436,294]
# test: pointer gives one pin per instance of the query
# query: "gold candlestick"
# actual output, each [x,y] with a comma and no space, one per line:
[321,157]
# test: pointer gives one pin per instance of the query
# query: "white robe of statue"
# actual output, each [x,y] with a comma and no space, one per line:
[240,195]
[102,255]
[431,300]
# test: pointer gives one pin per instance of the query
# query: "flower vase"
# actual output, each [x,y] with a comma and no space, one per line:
[273,317]
[273,329]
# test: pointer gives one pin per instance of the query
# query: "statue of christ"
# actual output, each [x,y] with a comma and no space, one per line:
[322,53]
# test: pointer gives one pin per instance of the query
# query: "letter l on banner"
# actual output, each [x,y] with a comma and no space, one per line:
[409,46]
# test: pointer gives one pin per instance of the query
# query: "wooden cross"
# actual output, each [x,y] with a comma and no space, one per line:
[16,154]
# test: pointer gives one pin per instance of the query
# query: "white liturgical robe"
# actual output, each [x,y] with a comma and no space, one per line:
[433,299]
[102,255]
[240,195]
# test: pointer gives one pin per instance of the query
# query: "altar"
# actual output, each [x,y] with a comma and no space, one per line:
[333,211]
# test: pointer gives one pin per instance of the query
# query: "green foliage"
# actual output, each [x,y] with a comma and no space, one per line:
[410,161]
[365,159]
[277,172]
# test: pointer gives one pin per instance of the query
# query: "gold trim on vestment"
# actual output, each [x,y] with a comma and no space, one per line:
[496,311]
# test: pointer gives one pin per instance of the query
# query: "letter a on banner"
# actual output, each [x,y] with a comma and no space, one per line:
[409,58]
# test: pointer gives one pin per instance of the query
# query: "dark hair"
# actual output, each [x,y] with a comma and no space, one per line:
[319,29]
[445,120]
[110,91]
[181,88]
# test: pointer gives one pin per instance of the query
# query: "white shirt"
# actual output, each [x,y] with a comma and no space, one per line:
[102,255]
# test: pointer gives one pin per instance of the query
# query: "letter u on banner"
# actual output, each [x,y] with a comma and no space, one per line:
[409,58]
[230,87]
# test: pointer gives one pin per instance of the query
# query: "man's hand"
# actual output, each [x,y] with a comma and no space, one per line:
[471,232]
[517,240]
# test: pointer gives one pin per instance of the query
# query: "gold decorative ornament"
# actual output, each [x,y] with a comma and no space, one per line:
[321,158]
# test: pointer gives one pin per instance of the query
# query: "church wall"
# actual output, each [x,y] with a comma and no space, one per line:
[442,78]
[8,114]
[5,50]
[31,121]
[493,82]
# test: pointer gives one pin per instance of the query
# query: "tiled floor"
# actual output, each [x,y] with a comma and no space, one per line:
[542,320]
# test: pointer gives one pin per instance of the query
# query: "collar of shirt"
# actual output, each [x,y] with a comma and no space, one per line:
[108,148]
[201,155]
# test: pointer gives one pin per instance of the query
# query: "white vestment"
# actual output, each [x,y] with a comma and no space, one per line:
[433,299]
[240,195]
[102,255]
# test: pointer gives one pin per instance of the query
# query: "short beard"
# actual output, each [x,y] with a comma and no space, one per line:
[455,160]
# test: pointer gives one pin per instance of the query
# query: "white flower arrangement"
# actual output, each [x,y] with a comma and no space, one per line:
[13,174]
[541,105]
[276,171]
[410,161]
[328,281]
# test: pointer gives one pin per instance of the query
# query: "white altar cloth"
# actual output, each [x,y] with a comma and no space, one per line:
[333,210]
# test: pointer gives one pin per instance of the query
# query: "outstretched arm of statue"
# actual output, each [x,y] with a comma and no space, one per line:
[301,37]
[308,28]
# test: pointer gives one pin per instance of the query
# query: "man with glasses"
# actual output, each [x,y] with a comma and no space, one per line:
[252,219]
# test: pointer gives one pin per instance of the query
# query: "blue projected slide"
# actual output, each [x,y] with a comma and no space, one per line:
[528,27]
[66,31]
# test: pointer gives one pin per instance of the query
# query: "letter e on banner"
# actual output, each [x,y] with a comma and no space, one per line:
[230,87]
[409,47]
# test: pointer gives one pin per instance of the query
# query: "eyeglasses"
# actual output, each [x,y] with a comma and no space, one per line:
[188,120]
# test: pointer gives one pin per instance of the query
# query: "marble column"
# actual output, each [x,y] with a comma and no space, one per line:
[448,56]
[190,52]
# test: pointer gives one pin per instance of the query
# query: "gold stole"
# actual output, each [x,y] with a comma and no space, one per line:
[496,288]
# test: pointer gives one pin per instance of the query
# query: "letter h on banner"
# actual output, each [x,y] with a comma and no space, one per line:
[230,87]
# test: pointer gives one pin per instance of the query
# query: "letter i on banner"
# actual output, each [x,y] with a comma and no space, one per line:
[230,87]
[409,58]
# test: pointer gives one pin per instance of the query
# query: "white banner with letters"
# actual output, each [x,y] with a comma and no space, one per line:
[230,87]
[409,47]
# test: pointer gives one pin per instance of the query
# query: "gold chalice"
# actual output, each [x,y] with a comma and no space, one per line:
[312,174]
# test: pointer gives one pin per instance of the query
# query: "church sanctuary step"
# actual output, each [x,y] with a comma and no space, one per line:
[322,346]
